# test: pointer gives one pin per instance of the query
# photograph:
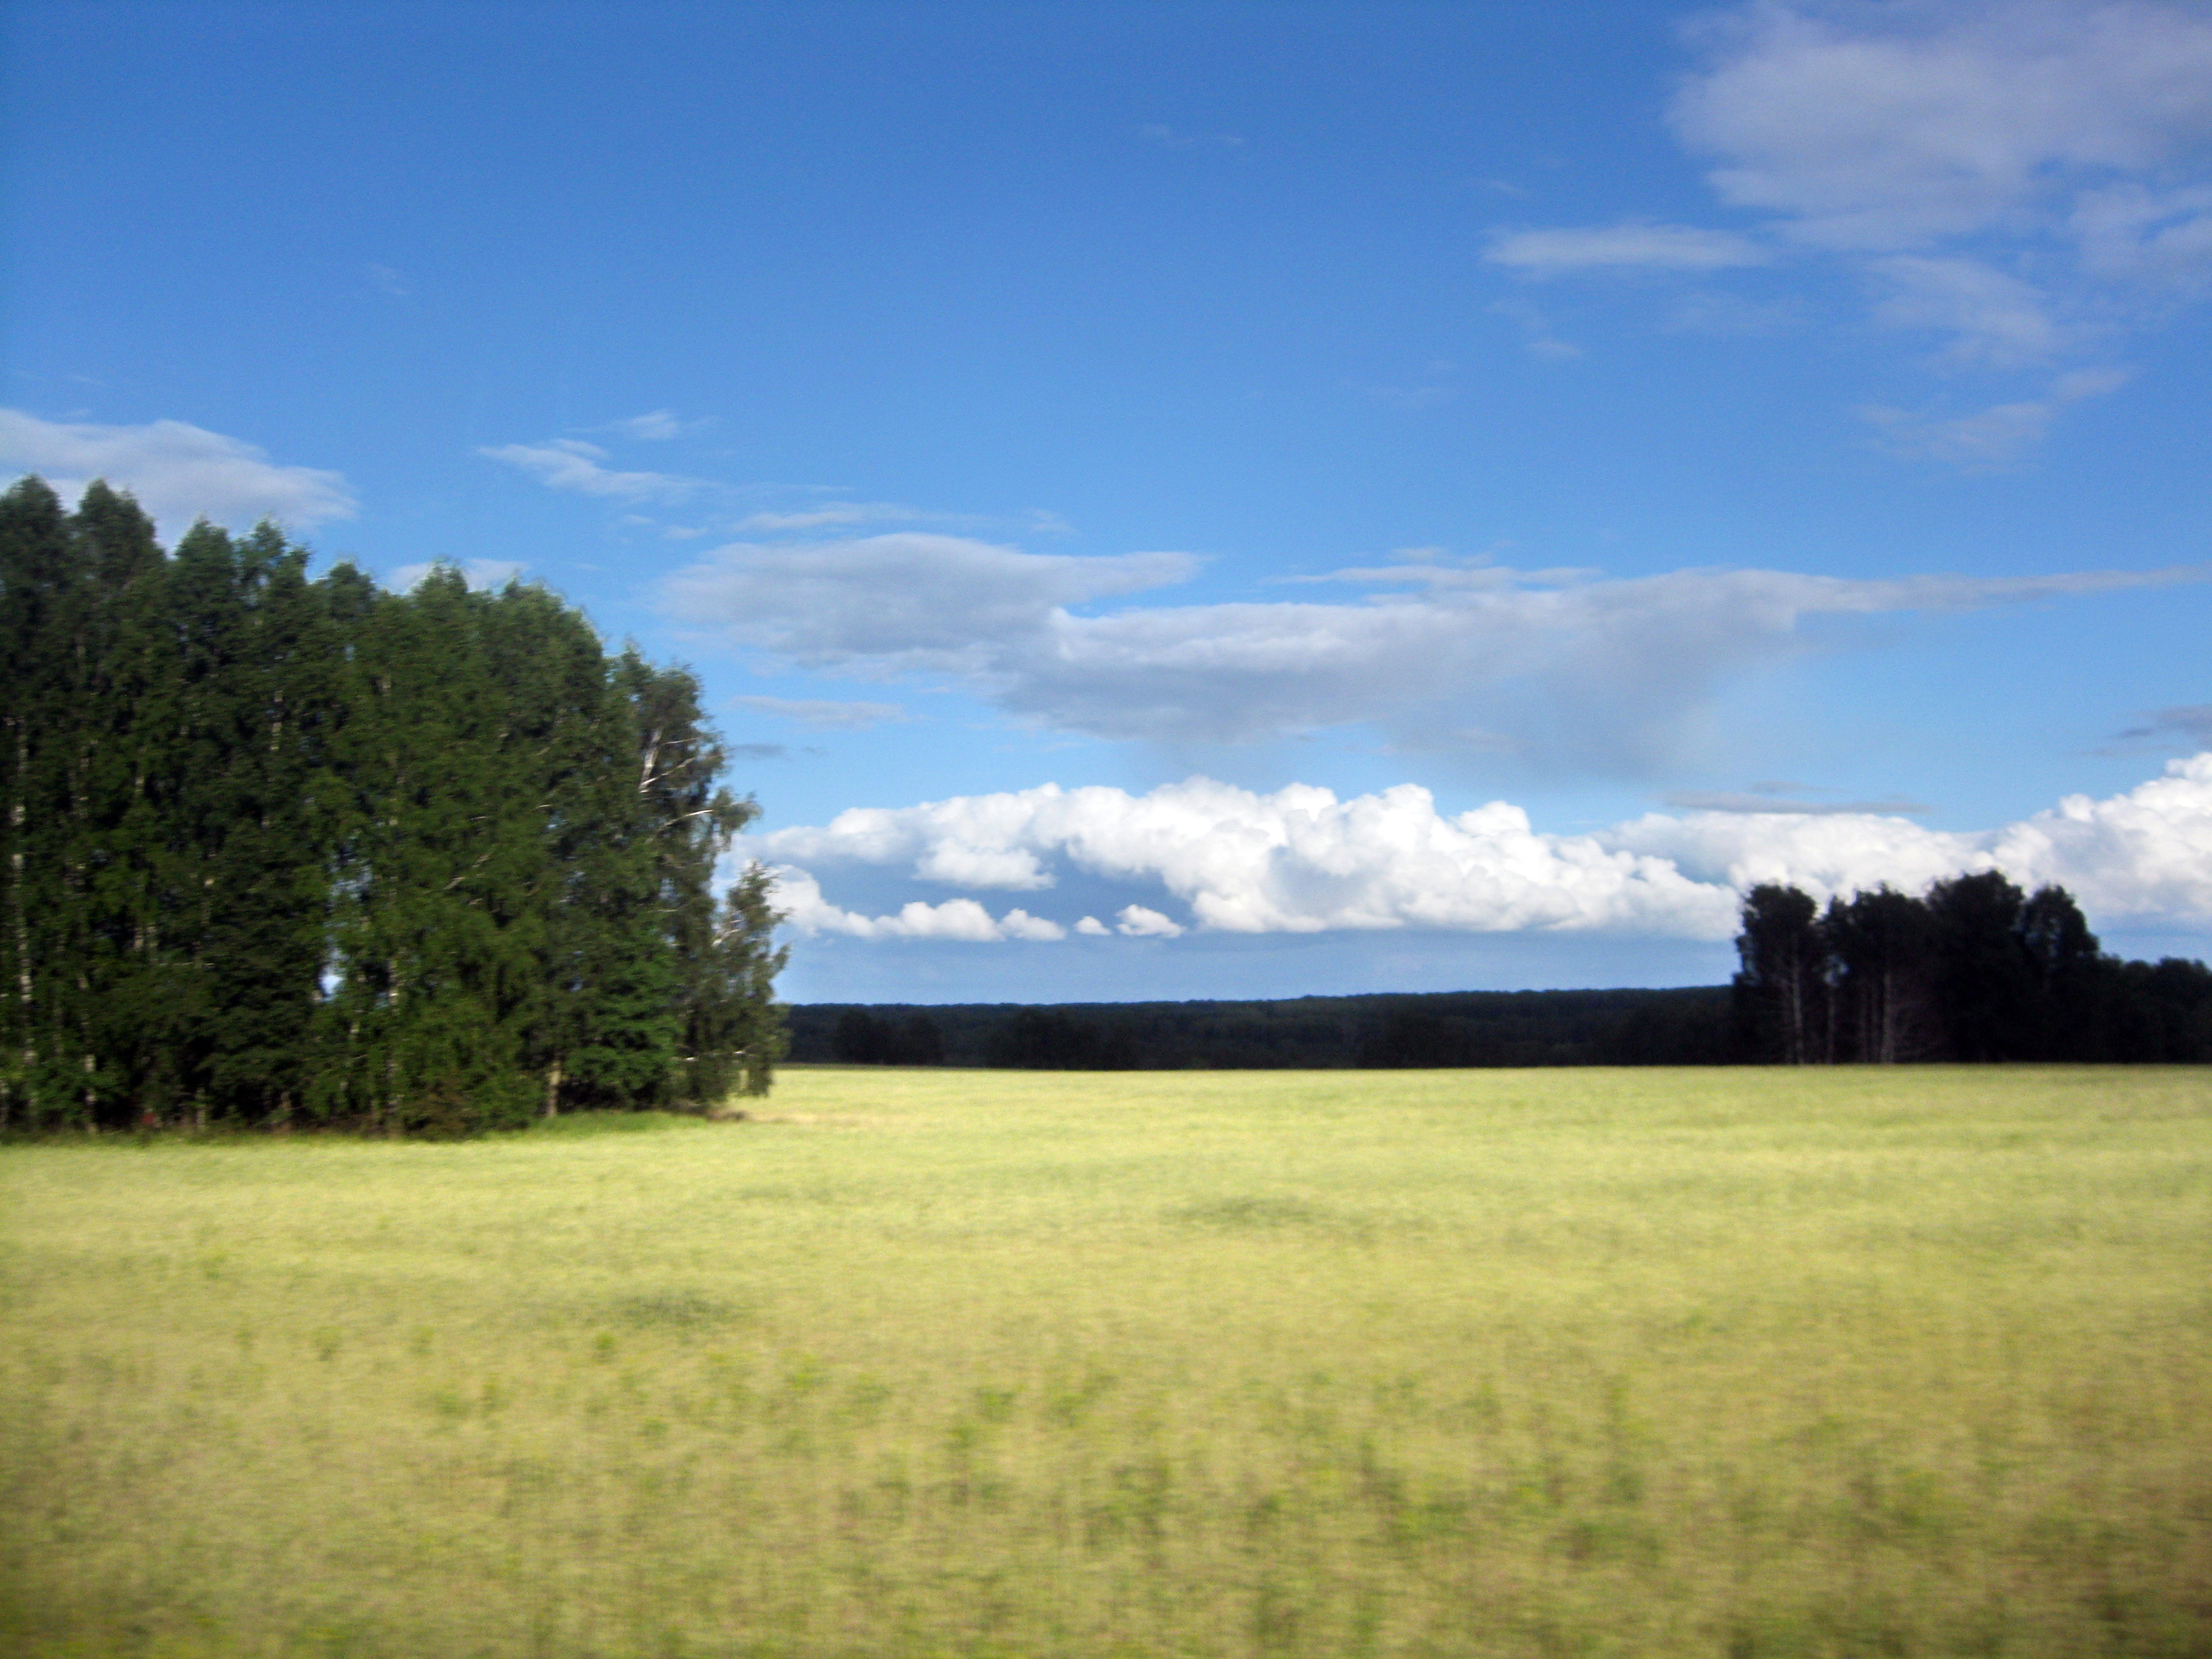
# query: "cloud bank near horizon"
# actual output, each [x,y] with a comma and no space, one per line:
[1561,668]
[1300,860]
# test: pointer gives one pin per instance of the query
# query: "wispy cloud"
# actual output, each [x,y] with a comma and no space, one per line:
[1989,440]
[1543,340]
[2025,180]
[572,463]
[837,515]
[1788,799]
[1563,667]
[658,426]
[1162,136]
[178,471]
[1633,245]
[1881,128]
[2192,723]
[826,716]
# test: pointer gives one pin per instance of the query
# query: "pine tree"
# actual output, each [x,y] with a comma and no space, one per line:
[273,847]
[1780,997]
[1880,942]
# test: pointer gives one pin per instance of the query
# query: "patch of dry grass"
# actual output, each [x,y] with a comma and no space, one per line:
[1640,1363]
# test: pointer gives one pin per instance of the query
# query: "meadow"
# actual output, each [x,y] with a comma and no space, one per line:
[1731,1362]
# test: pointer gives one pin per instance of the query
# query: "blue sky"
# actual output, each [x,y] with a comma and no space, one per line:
[1333,497]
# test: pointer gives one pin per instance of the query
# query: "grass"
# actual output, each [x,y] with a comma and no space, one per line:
[1729,1363]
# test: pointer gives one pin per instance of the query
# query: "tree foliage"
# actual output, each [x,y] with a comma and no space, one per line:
[1976,970]
[276,850]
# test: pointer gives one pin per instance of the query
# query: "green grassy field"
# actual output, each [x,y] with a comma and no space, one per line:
[1725,1363]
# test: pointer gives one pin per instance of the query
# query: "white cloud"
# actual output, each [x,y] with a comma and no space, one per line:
[1880,129]
[480,574]
[885,604]
[1555,664]
[963,921]
[1992,318]
[572,463]
[1993,438]
[2144,854]
[656,426]
[825,715]
[1092,928]
[2025,179]
[1301,860]
[1137,922]
[833,515]
[178,471]
[2134,232]
[1632,245]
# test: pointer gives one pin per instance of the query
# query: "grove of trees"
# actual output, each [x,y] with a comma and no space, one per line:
[1976,970]
[282,851]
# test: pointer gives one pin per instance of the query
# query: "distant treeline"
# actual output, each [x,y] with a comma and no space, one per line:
[1977,970]
[280,851]
[1466,1028]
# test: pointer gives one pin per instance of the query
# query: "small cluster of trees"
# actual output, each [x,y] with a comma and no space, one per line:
[1976,970]
[276,850]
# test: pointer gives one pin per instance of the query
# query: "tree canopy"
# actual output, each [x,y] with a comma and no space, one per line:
[282,850]
[1976,970]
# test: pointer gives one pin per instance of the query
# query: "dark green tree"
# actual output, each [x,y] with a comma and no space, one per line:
[1985,981]
[1878,942]
[1781,995]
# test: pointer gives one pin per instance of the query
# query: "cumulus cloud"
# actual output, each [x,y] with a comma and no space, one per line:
[1138,922]
[572,463]
[824,715]
[178,471]
[1556,665]
[1300,860]
[1632,245]
[962,919]
[2144,854]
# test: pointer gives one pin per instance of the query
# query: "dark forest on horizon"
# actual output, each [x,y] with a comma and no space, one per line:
[1976,970]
